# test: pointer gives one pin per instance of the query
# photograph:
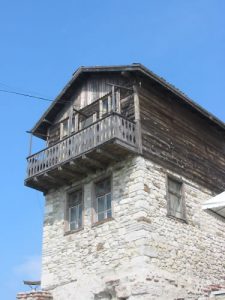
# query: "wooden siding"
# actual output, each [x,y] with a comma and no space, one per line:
[85,97]
[180,140]
[54,134]
[93,88]
[96,86]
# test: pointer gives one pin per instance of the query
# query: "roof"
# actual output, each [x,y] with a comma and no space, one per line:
[216,204]
[60,100]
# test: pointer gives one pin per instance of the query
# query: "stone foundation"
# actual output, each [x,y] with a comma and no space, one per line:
[140,254]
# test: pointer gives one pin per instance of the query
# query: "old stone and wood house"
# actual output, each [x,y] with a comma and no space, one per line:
[129,162]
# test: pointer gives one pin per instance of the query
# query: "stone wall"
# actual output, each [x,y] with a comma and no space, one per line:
[140,254]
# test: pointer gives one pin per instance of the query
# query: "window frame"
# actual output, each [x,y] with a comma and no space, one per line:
[62,128]
[74,123]
[67,210]
[83,124]
[108,100]
[170,213]
[106,110]
[95,220]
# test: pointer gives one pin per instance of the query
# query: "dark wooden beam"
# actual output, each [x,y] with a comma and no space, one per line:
[108,155]
[36,179]
[93,162]
[78,168]
[70,172]
[55,179]
[35,183]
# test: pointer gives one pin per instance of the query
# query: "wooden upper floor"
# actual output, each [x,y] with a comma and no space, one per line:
[105,113]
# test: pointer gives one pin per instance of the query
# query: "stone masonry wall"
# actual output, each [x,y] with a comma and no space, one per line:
[140,254]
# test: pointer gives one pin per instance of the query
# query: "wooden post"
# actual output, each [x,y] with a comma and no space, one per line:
[137,119]
[113,99]
[76,122]
[70,125]
[100,108]
[30,143]
[109,104]
[118,104]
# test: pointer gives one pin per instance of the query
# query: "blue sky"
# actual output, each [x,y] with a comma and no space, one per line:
[44,42]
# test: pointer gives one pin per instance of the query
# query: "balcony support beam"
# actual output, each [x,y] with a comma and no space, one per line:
[93,162]
[108,155]
[69,172]
[54,180]
[39,185]
[78,168]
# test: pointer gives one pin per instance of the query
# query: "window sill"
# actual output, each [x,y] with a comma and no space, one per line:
[73,231]
[184,220]
[102,222]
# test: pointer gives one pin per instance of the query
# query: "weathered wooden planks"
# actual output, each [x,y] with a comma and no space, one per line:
[100,132]
[181,140]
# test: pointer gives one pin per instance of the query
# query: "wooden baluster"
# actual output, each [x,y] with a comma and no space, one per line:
[88,138]
[119,128]
[109,104]
[72,146]
[77,144]
[109,127]
[83,142]
[100,108]
[76,125]
[94,129]
[60,152]
[118,104]
[104,130]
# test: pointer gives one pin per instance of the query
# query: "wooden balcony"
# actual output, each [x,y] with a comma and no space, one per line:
[107,140]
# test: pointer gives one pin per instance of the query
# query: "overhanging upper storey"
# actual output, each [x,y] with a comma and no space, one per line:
[95,126]
[105,113]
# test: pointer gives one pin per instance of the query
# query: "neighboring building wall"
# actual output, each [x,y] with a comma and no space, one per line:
[141,254]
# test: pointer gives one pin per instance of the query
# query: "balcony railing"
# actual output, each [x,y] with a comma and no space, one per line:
[114,126]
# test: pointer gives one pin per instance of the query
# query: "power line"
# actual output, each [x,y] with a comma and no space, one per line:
[26,95]
[20,90]
[41,98]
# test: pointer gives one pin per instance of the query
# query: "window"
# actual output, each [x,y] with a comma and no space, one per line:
[105,106]
[103,205]
[75,210]
[176,204]
[88,121]
[64,128]
[74,123]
